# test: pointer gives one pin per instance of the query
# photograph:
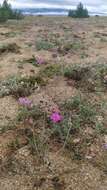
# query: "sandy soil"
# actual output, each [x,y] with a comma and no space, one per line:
[19,169]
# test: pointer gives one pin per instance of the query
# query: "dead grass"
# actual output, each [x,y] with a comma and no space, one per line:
[6,48]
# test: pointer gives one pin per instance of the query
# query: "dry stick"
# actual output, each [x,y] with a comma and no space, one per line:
[43,135]
[67,136]
[68,120]
[35,144]
[44,139]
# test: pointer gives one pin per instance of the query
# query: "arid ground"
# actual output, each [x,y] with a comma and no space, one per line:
[58,64]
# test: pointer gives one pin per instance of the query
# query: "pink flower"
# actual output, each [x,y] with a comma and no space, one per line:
[105,146]
[40,60]
[56,117]
[25,102]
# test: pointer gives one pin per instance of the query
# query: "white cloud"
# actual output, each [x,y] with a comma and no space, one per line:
[55,3]
[92,5]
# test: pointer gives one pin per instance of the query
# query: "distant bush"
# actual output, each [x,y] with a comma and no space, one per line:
[6,12]
[80,12]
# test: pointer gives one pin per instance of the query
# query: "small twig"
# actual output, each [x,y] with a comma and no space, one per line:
[67,136]
[35,144]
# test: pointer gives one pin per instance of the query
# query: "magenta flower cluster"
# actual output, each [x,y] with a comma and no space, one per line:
[56,117]
[25,102]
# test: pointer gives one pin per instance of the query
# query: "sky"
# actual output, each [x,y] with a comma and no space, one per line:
[91,5]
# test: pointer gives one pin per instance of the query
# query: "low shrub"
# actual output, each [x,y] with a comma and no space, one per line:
[26,113]
[45,45]
[20,86]
[12,47]
[51,70]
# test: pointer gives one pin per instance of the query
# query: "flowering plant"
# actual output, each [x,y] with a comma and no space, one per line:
[40,61]
[25,102]
[56,117]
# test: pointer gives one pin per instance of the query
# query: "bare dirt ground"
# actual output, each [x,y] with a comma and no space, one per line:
[59,170]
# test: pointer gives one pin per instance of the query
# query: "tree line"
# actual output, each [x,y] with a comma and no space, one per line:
[79,12]
[6,12]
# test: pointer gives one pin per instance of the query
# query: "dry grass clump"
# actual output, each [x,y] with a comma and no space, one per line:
[9,48]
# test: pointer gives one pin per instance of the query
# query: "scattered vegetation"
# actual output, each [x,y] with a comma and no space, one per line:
[53,125]
[9,126]
[51,70]
[82,114]
[38,146]
[70,47]
[14,145]
[78,115]
[9,34]
[20,86]
[35,61]
[37,135]
[27,113]
[44,45]
[89,78]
